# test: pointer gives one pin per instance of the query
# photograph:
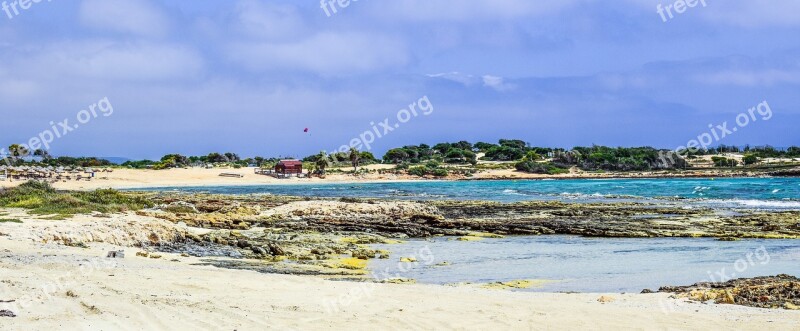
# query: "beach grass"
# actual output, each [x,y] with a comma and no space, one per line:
[41,198]
[9,220]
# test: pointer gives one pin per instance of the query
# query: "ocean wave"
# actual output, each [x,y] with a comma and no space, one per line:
[594,196]
[513,192]
[767,204]
[699,190]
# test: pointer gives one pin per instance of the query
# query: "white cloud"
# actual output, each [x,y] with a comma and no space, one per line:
[497,83]
[14,89]
[136,17]
[326,53]
[106,60]
[268,21]
[456,76]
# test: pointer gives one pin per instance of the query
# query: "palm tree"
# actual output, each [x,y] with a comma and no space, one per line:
[322,162]
[17,151]
[355,158]
[311,169]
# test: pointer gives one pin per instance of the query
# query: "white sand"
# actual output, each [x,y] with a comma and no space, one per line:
[137,293]
[135,178]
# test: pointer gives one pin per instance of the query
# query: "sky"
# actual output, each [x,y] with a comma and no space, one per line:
[247,76]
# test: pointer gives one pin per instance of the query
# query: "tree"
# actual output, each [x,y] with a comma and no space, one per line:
[216,158]
[397,155]
[175,160]
[322,162]
[45,155]
[18,151]
[367,157]
[513,143]
[311,169]
[749,159]
[259,161]
[504,153]
[720,161]
[531,156]
[355,158]
[232,157]
[483,147]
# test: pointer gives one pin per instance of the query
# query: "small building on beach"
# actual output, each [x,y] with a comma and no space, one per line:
[286,168]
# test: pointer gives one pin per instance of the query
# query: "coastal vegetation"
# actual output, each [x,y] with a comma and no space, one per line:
[720,161]
[41,198]
[458,158]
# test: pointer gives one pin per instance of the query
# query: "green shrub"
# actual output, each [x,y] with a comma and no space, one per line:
[541,168]
[720,161]
[418,171]
[41,198]
[750,159]
[440,172]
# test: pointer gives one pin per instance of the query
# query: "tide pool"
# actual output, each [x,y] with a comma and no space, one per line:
[596,265]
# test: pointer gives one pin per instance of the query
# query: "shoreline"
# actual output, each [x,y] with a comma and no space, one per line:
[130,179]
[54,286]
[143,293]
[178,266]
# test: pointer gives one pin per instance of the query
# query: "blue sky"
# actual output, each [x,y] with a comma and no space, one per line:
[248,76]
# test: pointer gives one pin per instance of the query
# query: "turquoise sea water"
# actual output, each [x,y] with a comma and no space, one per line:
[768,193]
[597,265]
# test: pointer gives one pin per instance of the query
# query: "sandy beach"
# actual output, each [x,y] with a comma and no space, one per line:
[49,286]
[135,178]
[184,177]
[65,288]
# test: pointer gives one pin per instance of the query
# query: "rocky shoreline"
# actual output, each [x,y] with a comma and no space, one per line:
[781,291]
[332,237]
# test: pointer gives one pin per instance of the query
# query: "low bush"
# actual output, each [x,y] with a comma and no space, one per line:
[41,198]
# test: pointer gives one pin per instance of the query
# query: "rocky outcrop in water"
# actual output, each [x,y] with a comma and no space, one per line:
[315,234]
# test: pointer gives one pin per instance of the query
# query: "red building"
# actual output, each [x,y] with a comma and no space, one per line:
[289,168]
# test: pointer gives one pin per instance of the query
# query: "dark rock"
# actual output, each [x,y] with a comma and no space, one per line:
[781,291]
[276,250]
[116,254]
[259,250]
